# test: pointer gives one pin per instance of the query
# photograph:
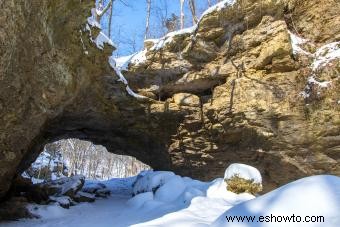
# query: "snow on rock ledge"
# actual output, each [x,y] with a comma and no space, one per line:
[168,38]
[326,54]
[91,20]
[122,63]
[296,42]
[243,171]
[102,39]
[67,186]
[218,6]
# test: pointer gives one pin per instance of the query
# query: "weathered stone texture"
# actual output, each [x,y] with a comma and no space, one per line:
[50,89]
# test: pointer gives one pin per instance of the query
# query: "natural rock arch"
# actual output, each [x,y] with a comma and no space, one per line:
[50,89]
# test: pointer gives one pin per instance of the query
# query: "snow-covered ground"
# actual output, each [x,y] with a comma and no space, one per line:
[161,198]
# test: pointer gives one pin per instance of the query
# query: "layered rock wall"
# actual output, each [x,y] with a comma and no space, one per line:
[243,90]
[230,91]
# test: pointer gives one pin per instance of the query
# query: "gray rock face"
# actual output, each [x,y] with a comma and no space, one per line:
[50,89]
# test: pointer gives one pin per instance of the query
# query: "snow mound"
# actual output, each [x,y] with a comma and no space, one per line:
[140,199]
[150,181]
[311,196]
[171,189]
[189,194]
[243,171]
[153,188]
[217,189]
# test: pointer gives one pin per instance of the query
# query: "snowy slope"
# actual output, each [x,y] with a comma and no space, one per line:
[311,196]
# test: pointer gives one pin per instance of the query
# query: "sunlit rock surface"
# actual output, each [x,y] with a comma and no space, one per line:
[239,70]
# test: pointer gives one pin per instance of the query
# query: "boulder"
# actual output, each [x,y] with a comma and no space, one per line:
[84,197]
[186,99]
[66,186]
[103,193]
[63,201]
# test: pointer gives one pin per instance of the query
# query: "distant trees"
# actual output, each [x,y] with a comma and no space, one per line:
[95,162]
[72,156]
[160,18]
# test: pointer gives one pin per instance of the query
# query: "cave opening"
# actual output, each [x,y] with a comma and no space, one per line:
[71,157]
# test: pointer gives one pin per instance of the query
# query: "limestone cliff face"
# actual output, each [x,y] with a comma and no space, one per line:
[229,92]
[40,73]
[239,87]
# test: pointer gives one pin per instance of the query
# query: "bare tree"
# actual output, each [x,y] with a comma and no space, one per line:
[83,157]
[101,9]
[182,13]
[110,20]
[148,12]
[160,11]
[192,6]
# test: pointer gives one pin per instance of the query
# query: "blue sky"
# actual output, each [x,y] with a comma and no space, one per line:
[128,25]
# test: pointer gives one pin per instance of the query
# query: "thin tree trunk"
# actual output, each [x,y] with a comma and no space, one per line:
[147,26]
[193,11]
[101,12]
[110,21]
[182,13]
